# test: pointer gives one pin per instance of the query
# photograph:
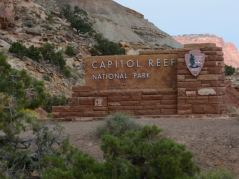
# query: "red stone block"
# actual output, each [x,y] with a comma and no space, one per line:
[168,101]
[211,49]
[215,99]
[148,112]
[81,108]
[198,109]
[221,91]
[81,88]
[150,92]
[183,71]
[214,58]
[169,97]
[164,106]
[127,112]
[150,103]
[210,64]
[220,53]
[184,107]
[181,91]
[216,70]
[184,112]
[73,101]
[60,108]
[84,94]
[197,101]
[129,103]
[151,97]
[212,109]
[86,100]
[168,111]
[125,107]
[100,108]
[189,84]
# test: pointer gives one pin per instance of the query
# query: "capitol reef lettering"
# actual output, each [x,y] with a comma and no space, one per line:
[121,64]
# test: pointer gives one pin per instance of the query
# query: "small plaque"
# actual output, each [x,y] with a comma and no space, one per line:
[195,61]
[99,102]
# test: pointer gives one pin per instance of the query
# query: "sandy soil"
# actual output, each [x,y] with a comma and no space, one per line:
[214,142]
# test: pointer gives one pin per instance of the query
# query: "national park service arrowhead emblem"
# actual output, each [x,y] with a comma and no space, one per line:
[195,61]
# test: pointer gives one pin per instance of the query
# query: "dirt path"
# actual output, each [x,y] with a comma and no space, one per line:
[214,142]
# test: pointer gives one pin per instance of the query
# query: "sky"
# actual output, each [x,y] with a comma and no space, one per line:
[177,17]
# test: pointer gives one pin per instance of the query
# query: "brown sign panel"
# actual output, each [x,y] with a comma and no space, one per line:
[131,72]
[195,61]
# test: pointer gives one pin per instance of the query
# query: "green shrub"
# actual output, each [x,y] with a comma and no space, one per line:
[150,154]
[33,53]
[106,47]
[28,92]
[70,51]
[47,53]
[18,49]
[78,19]
[216,174]
[51,56]
[118,124]
[54,101]
[229,70]
[67,72]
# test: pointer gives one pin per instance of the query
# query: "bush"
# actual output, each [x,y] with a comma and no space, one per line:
[70,51]
[229,70]
[118,124]
[28,92]
[106,47]
[54,101]
[34,53]
[149,154]
[47,53]
[51,56]
[78,19]
[18,49]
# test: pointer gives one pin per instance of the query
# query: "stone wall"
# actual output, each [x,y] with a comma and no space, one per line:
[87,102]
[202,94]
[191,95]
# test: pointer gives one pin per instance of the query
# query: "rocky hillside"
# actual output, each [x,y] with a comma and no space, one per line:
[34,25]
[37,22]
[121,24]
[231,53]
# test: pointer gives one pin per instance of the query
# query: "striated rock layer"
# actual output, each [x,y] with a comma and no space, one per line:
[231,53]
[118,23]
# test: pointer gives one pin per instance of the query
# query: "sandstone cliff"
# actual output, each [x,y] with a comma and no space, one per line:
[120,24]
[231,53]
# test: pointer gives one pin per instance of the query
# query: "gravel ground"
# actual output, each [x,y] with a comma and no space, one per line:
[214,142]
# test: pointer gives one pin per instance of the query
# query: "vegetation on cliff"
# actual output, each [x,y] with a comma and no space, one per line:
[80,21]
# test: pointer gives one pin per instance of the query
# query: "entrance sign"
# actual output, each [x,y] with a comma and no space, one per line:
[157,82]
[195,61]
[131,72]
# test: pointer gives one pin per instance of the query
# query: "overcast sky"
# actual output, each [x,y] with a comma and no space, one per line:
[176,17]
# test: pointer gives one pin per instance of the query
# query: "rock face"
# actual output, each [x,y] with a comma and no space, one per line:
[118,23]
[6,13]
[231,53]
